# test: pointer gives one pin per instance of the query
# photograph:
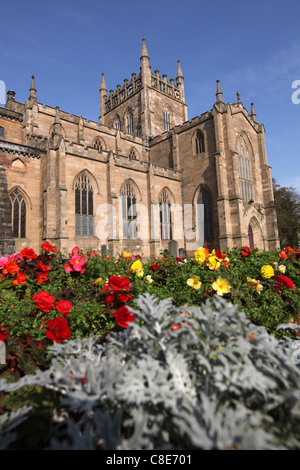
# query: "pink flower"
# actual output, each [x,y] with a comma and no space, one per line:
[78,263]
[75,250]
[2,262]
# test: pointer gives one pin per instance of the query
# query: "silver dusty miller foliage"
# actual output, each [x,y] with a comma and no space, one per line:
[176,378]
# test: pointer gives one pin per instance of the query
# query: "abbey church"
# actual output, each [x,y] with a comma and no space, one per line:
[136,179]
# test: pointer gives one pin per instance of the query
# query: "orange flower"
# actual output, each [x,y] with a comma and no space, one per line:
[10,268]
[20,279]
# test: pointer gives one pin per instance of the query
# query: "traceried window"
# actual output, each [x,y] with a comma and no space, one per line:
[129,123]
[132,155]
[129,217]
[199,143]
[165,216]
[84,207]
[245,176]
[18,214]
[118,123]
[205,199]
[167,121]
[1,133]
[98,144]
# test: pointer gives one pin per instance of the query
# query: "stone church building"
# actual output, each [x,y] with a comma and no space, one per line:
[134,180]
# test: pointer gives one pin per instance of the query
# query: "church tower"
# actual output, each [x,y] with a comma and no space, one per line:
[147,105]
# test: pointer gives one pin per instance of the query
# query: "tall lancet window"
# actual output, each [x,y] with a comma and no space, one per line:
[207,216]
[129,122]
[199,143]
[165,216]
[245,176]
[18,214]
[84,207]
[167,121]
[129,217]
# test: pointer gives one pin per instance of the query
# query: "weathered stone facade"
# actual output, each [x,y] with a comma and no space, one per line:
[75,182]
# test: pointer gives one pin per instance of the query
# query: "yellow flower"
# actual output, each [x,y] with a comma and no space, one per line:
[221,286]
[282,268]
[213,263]
[194,282]
[139,272]
[267,271]
[200,255]
[98,280]
[149,279]
[126,254]
[254,283]
[136,265]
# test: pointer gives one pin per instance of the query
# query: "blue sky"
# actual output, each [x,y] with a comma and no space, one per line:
[251,47]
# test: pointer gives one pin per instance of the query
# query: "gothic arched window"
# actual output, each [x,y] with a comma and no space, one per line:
[18,214]
[84,206]
[199,143]
[205,199]
[167,121]
[132,155]
[129,122]
[98,144]
[129,218]
[245,176]
[118,123]
[165,216]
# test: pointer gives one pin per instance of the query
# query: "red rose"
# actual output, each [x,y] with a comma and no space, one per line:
[246,251]
[58,329]
[110,298]
[43,267]
[44,301]
[48,247]
[124,297]
[153,267]
[119,283]
[123,316]
[3,334]
[64,307]
[283,281]
[28,253]
[42,277]
[20,279]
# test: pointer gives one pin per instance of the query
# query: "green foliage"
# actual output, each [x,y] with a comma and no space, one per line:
[287,202]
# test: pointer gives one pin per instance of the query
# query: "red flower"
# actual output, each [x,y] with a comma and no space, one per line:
[43,267]
[282,255]
[3,334]
[179,260]
[123,316]
[10,268]
[246,251]
[41,277]
[221,255]
[58,329]
[153,267]
[48,247]
[124,297]
[28,253]
[20,279]
[64,307]
[288,249]
[119,283]
[44,301]
[110,298]
[283,281]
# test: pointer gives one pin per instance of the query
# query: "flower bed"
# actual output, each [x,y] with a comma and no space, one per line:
[48,301]
[46,298]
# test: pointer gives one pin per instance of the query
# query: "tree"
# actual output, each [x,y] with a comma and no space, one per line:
[287,202]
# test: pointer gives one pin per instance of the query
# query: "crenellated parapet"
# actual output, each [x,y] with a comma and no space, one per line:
[123,93]
[162,85]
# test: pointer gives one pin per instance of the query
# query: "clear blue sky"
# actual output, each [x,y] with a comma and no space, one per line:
[252,47]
